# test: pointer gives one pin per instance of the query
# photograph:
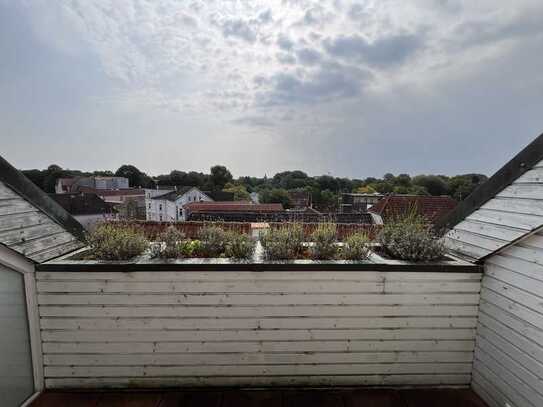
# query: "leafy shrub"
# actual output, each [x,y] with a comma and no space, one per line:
[212,241]
[284,243]
[239,245]
[411,238]
[324,241]
[112,242]
[356,247]
[169,244]
[190,248]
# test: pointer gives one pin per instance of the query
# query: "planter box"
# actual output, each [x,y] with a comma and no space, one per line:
[199,322]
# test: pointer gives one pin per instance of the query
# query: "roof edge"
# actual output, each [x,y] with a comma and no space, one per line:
[518,165]
[16,180]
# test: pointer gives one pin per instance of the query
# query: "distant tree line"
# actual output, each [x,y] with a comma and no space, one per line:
[324,189]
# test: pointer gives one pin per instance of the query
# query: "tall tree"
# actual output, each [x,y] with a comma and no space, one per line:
[136,178]
[220,176]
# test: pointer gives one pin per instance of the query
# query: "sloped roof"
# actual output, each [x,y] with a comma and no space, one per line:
[507,208]
[31,223]
[82,204]
[431,207]
[112,192]
[174,195]
[233,206]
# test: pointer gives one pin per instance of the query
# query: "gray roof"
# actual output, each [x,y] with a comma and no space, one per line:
[31,223]
[502,211]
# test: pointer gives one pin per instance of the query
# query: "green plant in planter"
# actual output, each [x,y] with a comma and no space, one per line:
[212,241]
[356,247]
[411,238]
[324,241]
[111,242]
[168,245]
[239,245]
[190,248]
[284,243]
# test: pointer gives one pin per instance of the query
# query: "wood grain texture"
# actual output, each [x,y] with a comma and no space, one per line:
[508,365]
[198,328]
[29,231]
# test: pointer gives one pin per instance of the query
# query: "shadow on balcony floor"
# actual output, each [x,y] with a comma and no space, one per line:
[264,398]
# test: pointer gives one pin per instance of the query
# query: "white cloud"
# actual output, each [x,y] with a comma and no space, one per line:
[255,63]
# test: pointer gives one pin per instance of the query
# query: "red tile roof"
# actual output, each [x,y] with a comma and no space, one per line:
[431,207]
[233,206]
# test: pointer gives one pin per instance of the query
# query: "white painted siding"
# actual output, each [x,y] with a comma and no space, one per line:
[110,329]
[508,364]
[29,231]
[511,214]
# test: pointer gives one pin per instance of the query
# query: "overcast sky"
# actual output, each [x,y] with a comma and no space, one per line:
[349,88]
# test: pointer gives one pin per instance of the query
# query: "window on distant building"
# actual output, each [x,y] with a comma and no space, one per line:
[160,218]
[160,207]
[149,205]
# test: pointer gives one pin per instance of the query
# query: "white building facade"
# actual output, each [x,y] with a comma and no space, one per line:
[168,206]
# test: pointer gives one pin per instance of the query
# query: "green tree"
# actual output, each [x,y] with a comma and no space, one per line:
[220,176]
[435,185]
[239,191]
[136,178]
[275,195]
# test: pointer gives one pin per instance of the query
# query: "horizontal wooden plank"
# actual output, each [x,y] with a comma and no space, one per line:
[516,265]
[258,287]
[232,359]
[535,175]
[262,346]
[508,374]
[257,370]
[44,242]
[252,323]
[492,393]
[23,220]
[513,293]
[258,312]
[471,238]
[512,307]
[261,381]
[35,232]
[492,328]
[494,344]
[491,230]
[524,191]
[303,276]
[464,248]
[258,299]
[516,205]
[10,207]
[257,334]
[56,251]
[489,312]
[515,220]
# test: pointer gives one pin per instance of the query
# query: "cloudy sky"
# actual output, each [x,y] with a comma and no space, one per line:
[331,86]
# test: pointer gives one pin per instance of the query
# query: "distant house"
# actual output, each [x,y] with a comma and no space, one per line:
[87,208]
[116,196]
[169,207]
[358,203]
[242,211]
[72,185]
[432,208]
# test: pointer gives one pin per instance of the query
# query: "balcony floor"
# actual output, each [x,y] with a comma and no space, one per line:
[264,398]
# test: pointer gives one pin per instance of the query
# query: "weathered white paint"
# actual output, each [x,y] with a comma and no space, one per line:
[169,209]
[513,213]
[508,365]
[116,329]
[29,231]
